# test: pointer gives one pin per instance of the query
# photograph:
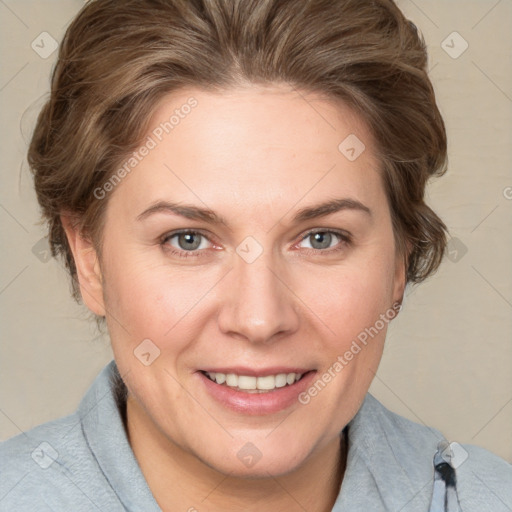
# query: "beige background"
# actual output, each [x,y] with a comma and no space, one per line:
[448,357]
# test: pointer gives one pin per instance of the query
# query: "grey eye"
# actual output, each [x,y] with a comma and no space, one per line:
[186,241]
[321,239]
[189,241]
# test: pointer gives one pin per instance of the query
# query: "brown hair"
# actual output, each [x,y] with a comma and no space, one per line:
[118,59]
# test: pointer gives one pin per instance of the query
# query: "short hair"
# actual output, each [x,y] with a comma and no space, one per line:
[119,59]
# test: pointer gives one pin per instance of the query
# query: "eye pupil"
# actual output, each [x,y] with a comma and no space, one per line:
[188,239]
[324,239]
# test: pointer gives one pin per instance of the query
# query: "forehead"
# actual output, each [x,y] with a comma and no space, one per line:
[272,117]
[252,146]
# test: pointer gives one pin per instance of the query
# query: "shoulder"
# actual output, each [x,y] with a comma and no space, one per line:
[37,447]
[51,467]
[483,480]
[32,461]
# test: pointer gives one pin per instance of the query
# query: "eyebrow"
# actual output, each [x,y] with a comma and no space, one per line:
[333,206]
[207,215]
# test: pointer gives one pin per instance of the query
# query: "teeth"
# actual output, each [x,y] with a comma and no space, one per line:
[254,384]
[245,382]
[281,380]
[268,382]
[231,380]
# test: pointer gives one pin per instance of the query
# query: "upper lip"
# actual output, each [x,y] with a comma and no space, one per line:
[257,372]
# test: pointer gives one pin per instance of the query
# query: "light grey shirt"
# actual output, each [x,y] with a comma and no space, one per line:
[84,462]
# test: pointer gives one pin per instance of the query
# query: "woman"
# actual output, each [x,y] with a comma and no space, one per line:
[237,188]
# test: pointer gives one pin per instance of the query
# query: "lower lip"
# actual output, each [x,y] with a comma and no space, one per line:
[257,404]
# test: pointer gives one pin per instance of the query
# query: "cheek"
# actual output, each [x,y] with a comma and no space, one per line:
[151,299]
[157,302]
[352,298]
[145,301]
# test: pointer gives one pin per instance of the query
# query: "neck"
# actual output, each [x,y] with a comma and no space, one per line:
[180,481]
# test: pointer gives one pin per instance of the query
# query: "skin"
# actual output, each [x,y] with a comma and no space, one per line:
[254,155]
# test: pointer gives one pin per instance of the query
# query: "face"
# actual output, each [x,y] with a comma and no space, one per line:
[253,256]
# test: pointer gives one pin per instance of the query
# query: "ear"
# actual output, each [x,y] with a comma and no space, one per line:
[400,280]
[87,265]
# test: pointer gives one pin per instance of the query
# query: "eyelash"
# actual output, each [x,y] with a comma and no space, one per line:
[345,240]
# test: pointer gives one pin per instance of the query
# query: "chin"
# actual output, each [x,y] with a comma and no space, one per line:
[259,459]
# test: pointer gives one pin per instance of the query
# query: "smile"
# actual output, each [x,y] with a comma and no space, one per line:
[253,384]
[255,392]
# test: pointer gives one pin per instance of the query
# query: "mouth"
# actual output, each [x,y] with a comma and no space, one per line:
[256,392]
[253,383]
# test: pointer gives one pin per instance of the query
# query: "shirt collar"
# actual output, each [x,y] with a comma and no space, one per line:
[104,431]
[389,462]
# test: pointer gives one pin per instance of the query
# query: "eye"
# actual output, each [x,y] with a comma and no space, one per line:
[186,241]
[322,240]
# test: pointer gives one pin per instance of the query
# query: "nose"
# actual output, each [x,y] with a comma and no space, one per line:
[258,304]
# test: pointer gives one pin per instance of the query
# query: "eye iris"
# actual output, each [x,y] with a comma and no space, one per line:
[324,240]
[188,239]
